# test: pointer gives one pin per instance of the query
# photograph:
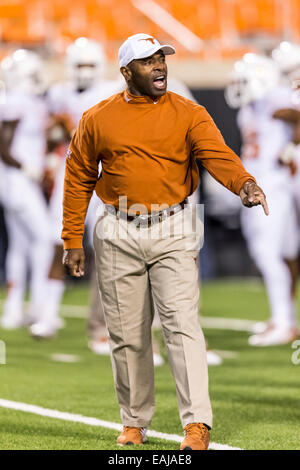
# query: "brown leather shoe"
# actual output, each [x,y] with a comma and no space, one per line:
[196,437]
[132,436]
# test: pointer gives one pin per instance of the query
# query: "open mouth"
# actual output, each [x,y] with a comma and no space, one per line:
[160,82]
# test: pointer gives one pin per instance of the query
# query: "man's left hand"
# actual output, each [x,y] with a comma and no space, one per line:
[252,195]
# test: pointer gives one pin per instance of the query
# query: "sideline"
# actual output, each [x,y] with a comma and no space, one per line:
[75,418]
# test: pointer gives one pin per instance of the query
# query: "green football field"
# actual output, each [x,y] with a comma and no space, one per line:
[255,393]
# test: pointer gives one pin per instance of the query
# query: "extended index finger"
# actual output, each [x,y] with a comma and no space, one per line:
[265,205]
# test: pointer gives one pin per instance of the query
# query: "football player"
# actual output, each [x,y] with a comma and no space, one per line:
[23,119]
[273,242]
[287,56]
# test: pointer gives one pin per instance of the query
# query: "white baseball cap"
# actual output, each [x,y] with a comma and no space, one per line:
[140,46]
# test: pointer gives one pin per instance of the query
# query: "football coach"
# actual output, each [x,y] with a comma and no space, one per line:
[147,140]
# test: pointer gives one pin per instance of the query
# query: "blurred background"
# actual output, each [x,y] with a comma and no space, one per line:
[208,35]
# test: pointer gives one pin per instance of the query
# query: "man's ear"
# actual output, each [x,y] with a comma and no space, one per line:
[126,72]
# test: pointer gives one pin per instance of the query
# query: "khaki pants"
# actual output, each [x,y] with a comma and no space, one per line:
[131,262]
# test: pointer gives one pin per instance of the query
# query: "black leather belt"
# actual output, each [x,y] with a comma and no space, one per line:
[146,220]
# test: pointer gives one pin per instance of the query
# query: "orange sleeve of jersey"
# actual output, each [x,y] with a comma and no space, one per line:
[81,176]
[207,145]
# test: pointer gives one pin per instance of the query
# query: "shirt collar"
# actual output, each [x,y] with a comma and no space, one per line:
[135,99]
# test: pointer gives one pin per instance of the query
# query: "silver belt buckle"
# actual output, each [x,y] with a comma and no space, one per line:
[141,221]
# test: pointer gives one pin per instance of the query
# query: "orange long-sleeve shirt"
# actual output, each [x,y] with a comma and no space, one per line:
[148,152]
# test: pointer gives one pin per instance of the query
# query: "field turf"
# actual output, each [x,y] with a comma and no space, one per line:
[255,393]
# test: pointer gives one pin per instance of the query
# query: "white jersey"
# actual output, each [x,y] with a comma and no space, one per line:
[271,239]
[28,145]
[65,98]
[2,168]
[264,137]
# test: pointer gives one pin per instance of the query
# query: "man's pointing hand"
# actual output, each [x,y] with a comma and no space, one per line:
[73,259]
[252,195]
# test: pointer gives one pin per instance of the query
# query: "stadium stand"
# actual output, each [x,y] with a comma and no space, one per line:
[225,26]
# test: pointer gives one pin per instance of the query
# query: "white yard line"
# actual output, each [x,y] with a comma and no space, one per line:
[38,410]
[226,354]
[78,311]
[218,323]
[74,311]
[67,358]
[66,310]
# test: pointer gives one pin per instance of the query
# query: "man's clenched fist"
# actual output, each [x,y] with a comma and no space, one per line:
[252,195]
[73,259]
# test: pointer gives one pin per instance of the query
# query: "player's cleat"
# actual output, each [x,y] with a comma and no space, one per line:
[45,330]
[12,322]
[100,346]
[274,337]
[131,436]
[158,360]
[213,359]
[196,437]
[260,327]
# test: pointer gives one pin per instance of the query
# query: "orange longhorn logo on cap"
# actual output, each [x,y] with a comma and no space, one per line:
[148,39]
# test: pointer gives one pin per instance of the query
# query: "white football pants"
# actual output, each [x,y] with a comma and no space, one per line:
[29,243]
[271,240]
